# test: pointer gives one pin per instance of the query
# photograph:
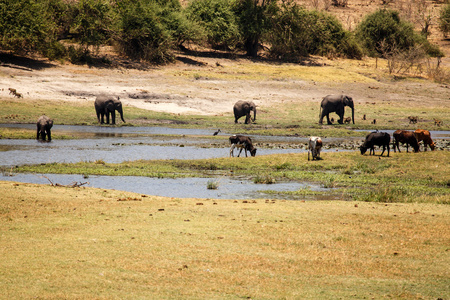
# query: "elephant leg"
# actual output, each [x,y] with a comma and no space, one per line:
[107,117]
[49,135]
[113,118]
[37,133]
[247,118]
[340,113]
[328,119]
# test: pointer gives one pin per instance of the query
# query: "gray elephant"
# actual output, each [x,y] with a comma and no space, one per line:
[105,105]
[44,124]
[335,103]
[243,108]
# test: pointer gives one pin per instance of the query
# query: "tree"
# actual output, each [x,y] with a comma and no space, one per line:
[217,20]
[444,20]
[92,22]
[253,19]
[296,32]
[28,26]
[384,27]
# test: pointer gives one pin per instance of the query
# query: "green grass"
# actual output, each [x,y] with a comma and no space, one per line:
[291,119]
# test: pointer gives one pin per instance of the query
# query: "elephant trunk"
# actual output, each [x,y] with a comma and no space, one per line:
[121,113]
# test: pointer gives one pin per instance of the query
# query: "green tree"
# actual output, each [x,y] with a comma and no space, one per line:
[296,32]
[444,20]
[384,32]
[254,21]
[217,20]
[92,22]
[28,26]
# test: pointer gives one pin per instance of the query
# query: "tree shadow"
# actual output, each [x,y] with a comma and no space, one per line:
[187,56]
[23,63]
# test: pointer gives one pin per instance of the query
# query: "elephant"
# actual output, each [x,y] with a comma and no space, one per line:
[335,103]
[44,124]
[105,105]
[243,108]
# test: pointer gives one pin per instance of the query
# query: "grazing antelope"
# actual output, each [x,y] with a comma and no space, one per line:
[243,142]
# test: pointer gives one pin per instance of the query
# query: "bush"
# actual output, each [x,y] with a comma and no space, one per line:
[140,33]
[150,29]
[28,26]
[298,32]
[217,20]
[444,20]
[91,23]
[253,20]
[383,32]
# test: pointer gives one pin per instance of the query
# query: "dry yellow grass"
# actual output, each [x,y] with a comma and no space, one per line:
[59,242]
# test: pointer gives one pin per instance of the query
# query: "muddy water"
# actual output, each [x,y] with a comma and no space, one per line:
[179,188]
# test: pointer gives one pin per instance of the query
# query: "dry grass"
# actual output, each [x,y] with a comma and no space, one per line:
[90,243]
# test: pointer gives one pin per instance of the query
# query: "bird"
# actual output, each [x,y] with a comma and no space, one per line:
[217,132]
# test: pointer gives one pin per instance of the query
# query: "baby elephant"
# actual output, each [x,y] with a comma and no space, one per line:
[44,124]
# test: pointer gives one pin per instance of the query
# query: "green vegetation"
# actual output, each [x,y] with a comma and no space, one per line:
[218,21]
[60,242]
[212,184]
[297,32]
[383,33]
[444,20]
[151,29]
[351,175]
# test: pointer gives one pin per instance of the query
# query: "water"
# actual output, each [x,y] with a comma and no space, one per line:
[228,188]
[120,144]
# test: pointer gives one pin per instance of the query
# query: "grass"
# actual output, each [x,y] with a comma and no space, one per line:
[403,177]
[393,242]
[60,242]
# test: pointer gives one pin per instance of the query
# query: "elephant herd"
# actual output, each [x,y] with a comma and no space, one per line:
[329,104]
[105,106]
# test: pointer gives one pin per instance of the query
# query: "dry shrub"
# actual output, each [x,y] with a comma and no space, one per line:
[435,72]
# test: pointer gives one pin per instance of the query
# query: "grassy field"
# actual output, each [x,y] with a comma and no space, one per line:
[385,237]
[276,120]
[72,243]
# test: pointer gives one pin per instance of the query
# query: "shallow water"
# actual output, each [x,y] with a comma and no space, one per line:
[119,144]
[178,188]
